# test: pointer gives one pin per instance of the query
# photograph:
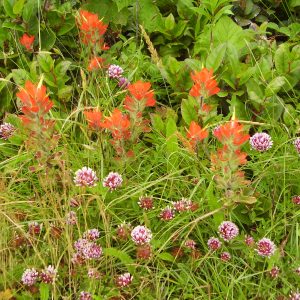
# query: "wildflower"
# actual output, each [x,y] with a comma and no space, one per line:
[96,63]
[204,84]
[123,82]
[214,244]
[91,234]
[91,28]
[141,96]
[113,180]
[145,202]
[71,218]
[167,213]
[93,273]
[196,133]
[143,251]
[87,249]
[34,100]
[265,247]
[74,202]
[231,133]
[48,275]
[228,230]
[123,231]
[274,272]
[85,177]
[225,256]
[30,277]
[182,205]
[261,142]
[294,296]
[141,235]
[114,71]
[296,199]
[94,119]
[27,40]
[6,131]
[191,244]
[85,296]
[297,144]
[249,240]
[124,280]
[118,124]
[34,228]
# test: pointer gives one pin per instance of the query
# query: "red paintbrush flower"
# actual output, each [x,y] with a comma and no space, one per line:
[34,100]
[142,96]
[196,133]
[27,41]
[231,132]
[204,84]
[118,124]
[96,63]
[94,119]
[92,29]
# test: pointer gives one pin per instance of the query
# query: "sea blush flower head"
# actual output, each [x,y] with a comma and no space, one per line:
[265,247]
[6,130]
[49,274]
[225,256]
[34,228]
[141,235]
[71,218]
[274,272]
[123,82]
[204,84]
[141,96]
[191,244]
[228,230]
[30,277]
[214,244]
[297,144]
[294,296]
[249,240]
[123,231]
[298,271]
[167,213]
[86,250]
[182,205]
[124,280]
[296,199]
[27,40]
[145,202]
[113,180]
[143,251]
[85,296]
[114,71]
[261,142]
[93,273]
[91,234]
[85,177]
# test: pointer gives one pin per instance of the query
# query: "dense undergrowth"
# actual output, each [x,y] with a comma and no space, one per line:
[149,149]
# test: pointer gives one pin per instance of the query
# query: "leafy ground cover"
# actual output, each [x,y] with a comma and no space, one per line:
[149,149]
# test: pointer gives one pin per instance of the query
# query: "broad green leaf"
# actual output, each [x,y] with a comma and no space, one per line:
[169,22]
[44,291]
[124,3]
[157,123]
[122,256]
[11,25]
[45,61]
[18,7]
[171,130]
[8,8]
[189,110]
[48,38]
[20,76]
[29,10]
[62,67]
[214,203]
[216,57]
[274,86]
[255,92]
[282,59]
[67,26]
[166,256]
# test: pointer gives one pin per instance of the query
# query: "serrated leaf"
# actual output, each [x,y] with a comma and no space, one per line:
[274,86]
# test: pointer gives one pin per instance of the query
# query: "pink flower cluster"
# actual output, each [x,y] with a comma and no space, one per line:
[71,218]
[261,142]
[296,199]
[182,205]
[123,231]
[228,230]
[191,244]
[6,131]
[225,256]
[85,177]
[91,234]
[297,144]
[145,202]
[86,250]
[124,280]
[30,277]
[48,275]
[167,213]
[34,228]
[114,71]
[113,181]
[265,247]
[85,296]
[141,235]
[214,244]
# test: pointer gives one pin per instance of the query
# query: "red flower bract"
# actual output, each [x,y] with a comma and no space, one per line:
[142,96]
[204,84]
[95,63]
[196,133]
[94,119]
[118,124]
[231,132]
[27,40]
[34,100]
[92,29]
